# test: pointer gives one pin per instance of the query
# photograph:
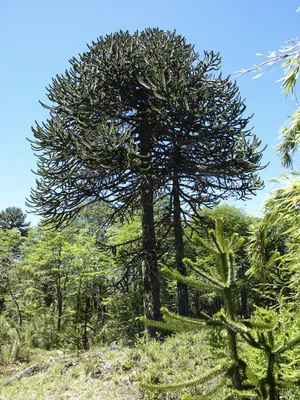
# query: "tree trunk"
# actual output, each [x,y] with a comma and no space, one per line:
[232,339]
[244,303]
[59,309]
[85,339]
[273,391]
[244,295]
[151,295]
[182,290]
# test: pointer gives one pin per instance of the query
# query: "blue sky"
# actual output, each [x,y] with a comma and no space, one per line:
[38,38]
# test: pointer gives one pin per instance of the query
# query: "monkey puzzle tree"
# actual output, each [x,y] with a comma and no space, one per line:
[269,334]
[13,217]
[135,117]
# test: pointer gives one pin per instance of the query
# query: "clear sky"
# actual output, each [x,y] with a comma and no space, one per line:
[37,38]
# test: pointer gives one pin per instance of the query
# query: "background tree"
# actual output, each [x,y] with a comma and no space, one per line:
[13,217]
[13,229]
[10,243]
[61,282]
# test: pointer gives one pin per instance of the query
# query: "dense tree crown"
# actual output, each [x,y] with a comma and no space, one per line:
[138,118]
[136,106]
[13,217]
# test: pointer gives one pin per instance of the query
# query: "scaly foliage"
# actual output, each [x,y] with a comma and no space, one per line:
[261,333]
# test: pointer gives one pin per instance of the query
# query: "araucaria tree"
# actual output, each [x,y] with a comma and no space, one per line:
[137,117]
[14,218]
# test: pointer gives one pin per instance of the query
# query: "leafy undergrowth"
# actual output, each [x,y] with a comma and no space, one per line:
[110,373]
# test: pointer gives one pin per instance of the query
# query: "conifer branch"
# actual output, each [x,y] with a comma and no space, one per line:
[193,282]
[289,345]
[208,395]
[213,373]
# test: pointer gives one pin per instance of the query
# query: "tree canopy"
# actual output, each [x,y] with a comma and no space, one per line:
[13,217]
[142,105]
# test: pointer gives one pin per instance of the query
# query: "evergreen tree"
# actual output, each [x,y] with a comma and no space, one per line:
[13,217]
[263,333]
[134,116]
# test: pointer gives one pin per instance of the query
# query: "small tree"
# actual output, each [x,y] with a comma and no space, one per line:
[237,377]
[10,242]
[234,221]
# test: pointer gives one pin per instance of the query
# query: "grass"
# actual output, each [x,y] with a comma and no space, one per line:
[96,376]
[108,374]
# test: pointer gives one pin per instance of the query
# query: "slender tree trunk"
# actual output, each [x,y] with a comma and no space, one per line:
[15,301]
[85,339]
[197,306]
[244,306]
[59,309]
[182,290]
[244,303]
[78,302]
[151,295]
